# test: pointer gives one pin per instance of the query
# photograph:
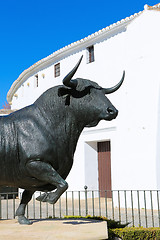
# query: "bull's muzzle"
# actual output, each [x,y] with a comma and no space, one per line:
[113,112]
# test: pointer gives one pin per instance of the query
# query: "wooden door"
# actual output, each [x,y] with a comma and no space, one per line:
[104,168]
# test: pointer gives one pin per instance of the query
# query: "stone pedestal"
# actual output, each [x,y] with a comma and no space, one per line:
[77,229]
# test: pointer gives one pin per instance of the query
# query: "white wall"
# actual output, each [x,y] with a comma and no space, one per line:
[108,54]
[91,165]
[137,126]
[135,153]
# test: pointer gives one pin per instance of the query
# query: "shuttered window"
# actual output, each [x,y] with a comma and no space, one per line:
[57,70]
[36,81]
[90,54]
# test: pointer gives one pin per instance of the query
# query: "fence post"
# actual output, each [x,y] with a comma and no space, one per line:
[86,201]
[79,200]
[145,208]
[93,203]
[158,207]
[66,204]
[60,208]
[152,208]
[99,197]
[54,214]
[125,199]
[34,212]
[46,209]
[7,205]
[119,206]
[72,203]
[0,207]
[132,208]
[106,204]
[40,208]
[139,211]
[112,206]
[14,196]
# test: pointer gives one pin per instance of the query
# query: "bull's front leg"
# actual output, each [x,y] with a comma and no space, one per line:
[47,174]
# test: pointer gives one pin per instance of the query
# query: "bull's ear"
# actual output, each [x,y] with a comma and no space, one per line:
[63,91]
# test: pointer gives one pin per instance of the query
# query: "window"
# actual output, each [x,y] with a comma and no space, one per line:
[57,70]
[90,54]
[36,80]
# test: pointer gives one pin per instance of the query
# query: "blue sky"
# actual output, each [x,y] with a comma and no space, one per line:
[33,29]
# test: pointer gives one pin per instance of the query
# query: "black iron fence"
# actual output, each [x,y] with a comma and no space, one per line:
[136,207]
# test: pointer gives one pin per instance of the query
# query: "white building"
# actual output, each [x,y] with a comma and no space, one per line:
[132,140]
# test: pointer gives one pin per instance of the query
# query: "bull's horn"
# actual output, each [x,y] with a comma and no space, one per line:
[67,80]
[115,88]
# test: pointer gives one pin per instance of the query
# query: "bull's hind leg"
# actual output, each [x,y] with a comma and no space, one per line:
[26,197]
[47,174]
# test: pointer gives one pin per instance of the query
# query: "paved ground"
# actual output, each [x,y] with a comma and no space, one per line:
[54,230]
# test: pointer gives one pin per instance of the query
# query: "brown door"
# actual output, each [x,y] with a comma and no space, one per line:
[104,168]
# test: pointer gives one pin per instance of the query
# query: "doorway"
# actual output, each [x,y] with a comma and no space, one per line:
[104,168]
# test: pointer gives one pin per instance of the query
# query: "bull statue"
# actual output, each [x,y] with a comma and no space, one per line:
[37,143]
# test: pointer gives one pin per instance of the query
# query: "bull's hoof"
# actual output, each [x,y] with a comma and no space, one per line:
[23,220]
[42,197]
[48,197]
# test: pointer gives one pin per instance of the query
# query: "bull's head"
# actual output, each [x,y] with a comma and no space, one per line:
[97,106]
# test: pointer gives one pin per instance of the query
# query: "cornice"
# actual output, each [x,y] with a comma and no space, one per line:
[65,51]
[6,111]
[155,7]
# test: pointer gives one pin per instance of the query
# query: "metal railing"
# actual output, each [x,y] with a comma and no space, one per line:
[136,207]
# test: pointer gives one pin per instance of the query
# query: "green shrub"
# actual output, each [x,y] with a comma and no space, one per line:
[129,233]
